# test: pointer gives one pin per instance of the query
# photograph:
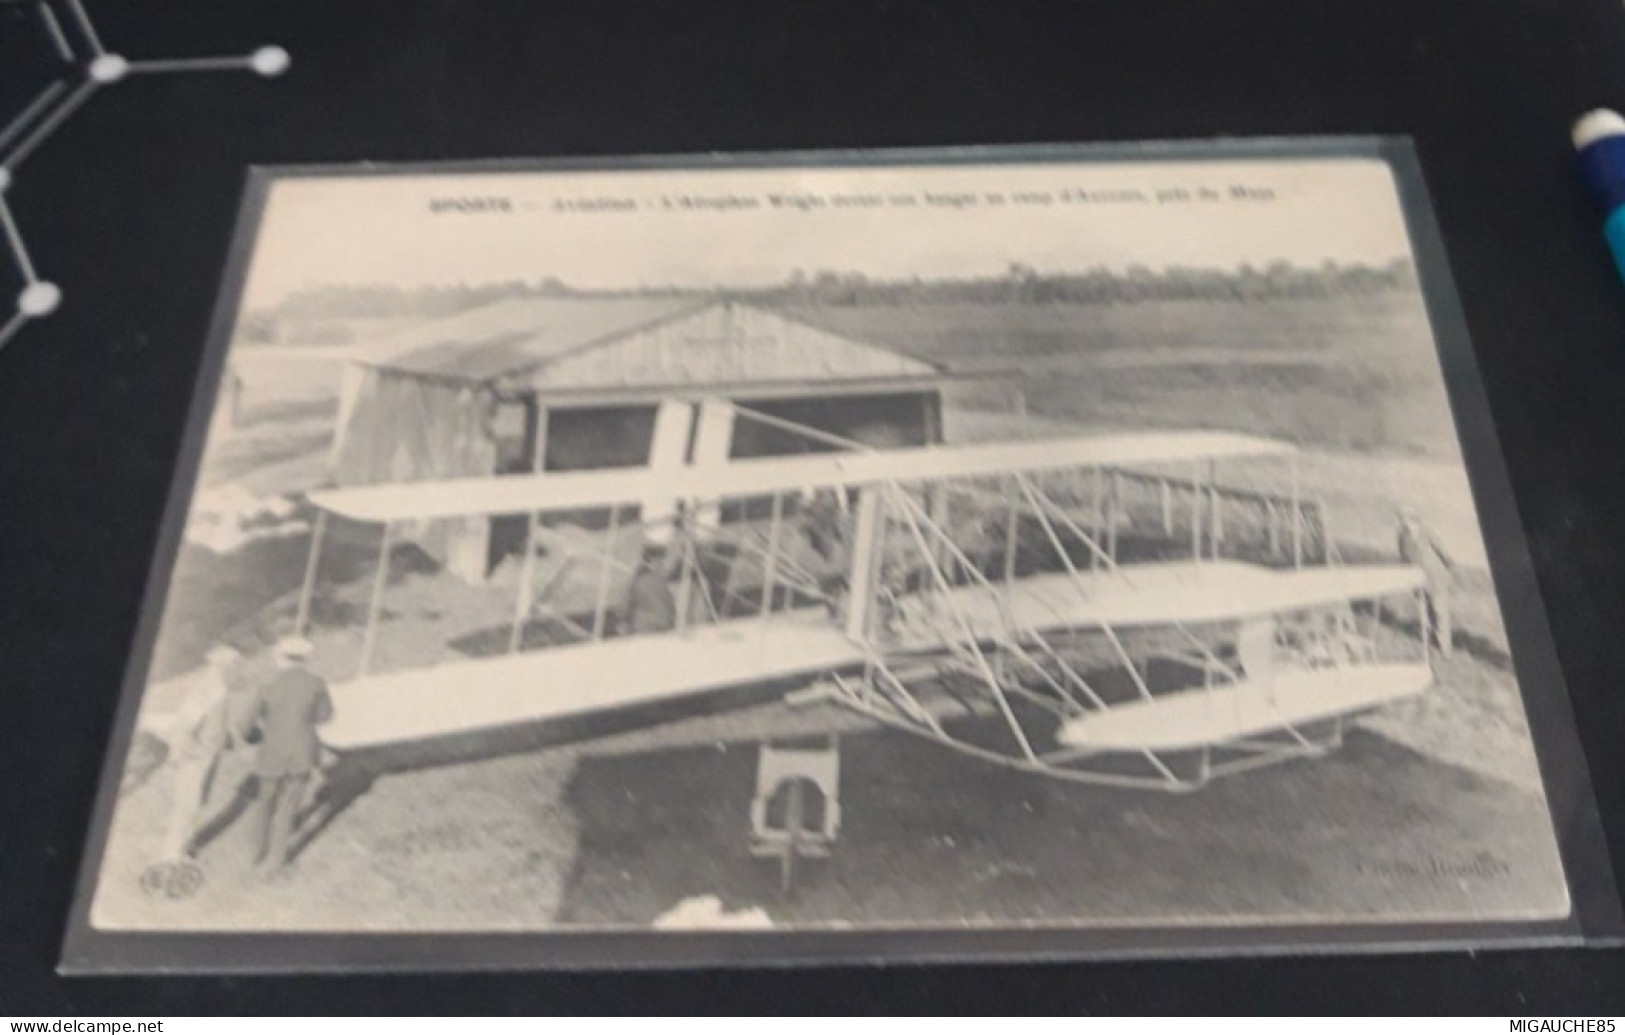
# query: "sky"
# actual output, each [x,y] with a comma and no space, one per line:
[721,228]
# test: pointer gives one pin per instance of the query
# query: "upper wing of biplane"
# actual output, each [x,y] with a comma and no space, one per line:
[517,494]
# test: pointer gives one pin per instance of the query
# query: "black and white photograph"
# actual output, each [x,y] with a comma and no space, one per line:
[982,544]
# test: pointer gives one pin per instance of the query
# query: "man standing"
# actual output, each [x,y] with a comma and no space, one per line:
[287,711]
[199,735]
[1419,546]
[650,606]
[821,524]
[824,529]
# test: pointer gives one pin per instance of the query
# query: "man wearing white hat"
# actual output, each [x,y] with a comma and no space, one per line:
[199,733]
[287,711]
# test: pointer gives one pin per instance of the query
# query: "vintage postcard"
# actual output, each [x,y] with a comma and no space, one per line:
[1000,543]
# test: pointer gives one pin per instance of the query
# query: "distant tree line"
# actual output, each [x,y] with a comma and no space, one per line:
[319,315]
[1025,285]
[322,314]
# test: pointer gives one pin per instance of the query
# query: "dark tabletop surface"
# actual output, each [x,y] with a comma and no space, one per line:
[130,208]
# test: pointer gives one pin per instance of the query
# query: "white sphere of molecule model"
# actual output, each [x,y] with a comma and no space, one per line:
[269,61]
[109,68]
[39,299]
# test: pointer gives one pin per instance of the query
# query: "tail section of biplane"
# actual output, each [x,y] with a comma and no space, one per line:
[996,619]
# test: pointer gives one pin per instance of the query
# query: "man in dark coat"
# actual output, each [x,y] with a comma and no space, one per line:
[650,606]
[287,711]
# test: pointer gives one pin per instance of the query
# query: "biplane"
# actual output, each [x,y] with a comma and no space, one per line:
[1102,609]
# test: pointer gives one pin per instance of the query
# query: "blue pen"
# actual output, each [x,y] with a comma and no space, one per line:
[1599,138]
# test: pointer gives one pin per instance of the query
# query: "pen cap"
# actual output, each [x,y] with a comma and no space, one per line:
[1600,139]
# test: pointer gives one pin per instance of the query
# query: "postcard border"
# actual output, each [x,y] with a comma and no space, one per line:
[1596,914]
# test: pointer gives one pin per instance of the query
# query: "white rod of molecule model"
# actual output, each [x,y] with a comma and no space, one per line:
[8,227]
[64,49]
[85,27]
[9,329]
[48,125]
[15,127]
[197,64]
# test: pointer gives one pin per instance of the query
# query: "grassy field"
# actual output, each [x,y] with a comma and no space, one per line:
[1356,375]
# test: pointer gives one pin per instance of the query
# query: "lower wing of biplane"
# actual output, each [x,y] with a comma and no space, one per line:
[1090,609]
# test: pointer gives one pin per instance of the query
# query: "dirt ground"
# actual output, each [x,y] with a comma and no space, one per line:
[1374,830]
